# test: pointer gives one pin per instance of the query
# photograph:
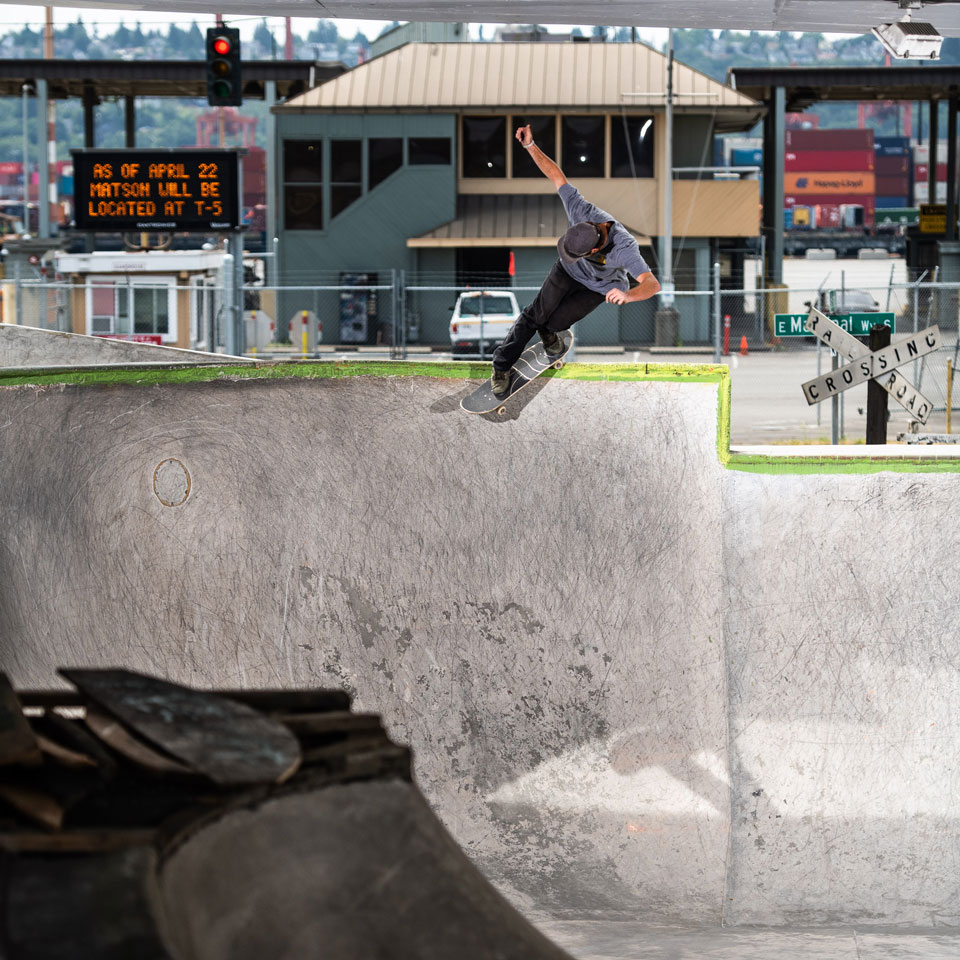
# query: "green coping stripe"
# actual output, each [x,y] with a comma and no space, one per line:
[326,369]
[787,465]
[108,376]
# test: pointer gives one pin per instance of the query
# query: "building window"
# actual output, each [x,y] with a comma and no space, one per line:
[544,130]
[484,146]
[631,146]
[583,146]
[385,157]
[346,185]
[429,150]
[122,307]
[303,184]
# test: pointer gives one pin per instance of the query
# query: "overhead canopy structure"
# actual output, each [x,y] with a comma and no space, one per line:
[784,89]
[848,16]
[805,86]
[157,78]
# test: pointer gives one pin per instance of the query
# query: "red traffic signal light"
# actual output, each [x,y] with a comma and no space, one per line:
[224,85]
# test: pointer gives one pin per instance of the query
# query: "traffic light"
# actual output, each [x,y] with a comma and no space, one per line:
[224,87]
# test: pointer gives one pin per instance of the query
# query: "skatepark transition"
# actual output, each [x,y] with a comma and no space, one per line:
[644,678]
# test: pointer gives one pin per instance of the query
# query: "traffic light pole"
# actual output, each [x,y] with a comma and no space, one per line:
[233,334]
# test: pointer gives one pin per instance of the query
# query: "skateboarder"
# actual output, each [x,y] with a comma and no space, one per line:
[598,256]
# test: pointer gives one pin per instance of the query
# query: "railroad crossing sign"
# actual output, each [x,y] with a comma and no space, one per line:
[859,324]
[865,365]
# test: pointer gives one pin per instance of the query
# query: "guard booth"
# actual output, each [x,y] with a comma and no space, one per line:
[171,298]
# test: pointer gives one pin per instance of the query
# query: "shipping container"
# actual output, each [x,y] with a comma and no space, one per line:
[827,209]
[892,166]
[892,146]
[746,158]
[828,216]
[922,170]
[897,216]
[881,201]
[853,216]
[826,161]
[921,193]
[921,152]
[803,218]
[829,139]
[848,182]
[892,186]
[788,219]
[802,121]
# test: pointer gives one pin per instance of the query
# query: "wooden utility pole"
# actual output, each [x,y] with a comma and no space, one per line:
[876,395]
[47,192]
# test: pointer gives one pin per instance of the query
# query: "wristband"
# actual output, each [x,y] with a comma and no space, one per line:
[527,146]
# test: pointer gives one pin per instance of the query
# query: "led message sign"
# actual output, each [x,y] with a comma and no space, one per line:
[175,191]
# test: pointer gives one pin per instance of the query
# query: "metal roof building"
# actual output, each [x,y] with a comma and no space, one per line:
[410,160]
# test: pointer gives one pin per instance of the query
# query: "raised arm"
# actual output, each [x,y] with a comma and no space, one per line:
[547,167]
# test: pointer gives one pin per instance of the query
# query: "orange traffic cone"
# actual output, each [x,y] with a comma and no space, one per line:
[744,349]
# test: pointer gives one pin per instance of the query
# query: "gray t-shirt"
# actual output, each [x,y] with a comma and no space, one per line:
[609,269]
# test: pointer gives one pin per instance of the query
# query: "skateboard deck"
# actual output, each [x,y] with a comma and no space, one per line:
[531,363]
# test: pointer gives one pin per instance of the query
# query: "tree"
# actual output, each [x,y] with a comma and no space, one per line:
[324,32]
[195,47]
[263,36]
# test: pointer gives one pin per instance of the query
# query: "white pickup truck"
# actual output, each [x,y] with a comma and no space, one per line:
[484,315]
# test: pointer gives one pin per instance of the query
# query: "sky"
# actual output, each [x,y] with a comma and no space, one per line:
[15,15]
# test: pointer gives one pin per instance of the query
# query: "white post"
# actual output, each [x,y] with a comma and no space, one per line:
[666,242]
[716,313]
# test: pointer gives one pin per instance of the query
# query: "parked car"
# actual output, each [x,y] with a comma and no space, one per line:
[481,315]
[847,301]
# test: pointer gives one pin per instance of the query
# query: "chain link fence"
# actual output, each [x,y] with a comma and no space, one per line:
[399,314]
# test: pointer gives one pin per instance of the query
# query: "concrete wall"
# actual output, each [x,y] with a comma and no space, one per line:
[638,685]
[31,347]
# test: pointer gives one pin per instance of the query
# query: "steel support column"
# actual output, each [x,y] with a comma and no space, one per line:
[130,121]
[273,268]
[951,233]
[43,184]
[90,100]
[933,158]
[774,132]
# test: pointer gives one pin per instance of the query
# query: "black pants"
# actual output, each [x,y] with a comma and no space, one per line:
[561,302]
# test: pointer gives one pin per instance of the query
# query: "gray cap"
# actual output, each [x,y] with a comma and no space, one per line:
[578,241]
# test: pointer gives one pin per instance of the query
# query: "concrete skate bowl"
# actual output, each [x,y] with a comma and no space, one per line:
[646,680]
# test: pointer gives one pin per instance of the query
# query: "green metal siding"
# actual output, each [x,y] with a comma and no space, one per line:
[371,234]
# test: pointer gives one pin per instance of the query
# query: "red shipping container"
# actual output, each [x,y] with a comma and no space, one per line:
[829,139]
[892,167]
[826,161]
[892,186]
[828,215]
[921,172]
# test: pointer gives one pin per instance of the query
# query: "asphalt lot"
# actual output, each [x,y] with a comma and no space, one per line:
[768,406]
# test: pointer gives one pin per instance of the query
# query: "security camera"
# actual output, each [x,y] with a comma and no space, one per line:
[909,39]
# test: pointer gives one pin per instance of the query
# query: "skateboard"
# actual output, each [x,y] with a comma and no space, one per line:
[530,364]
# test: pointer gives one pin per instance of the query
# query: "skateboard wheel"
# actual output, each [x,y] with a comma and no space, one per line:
[558,365]
[501,411]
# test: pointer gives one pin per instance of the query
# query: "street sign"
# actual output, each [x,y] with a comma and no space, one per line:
[790,325]
[835,337]
[859,324]
[872,365]
[157,190]
[933,218]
